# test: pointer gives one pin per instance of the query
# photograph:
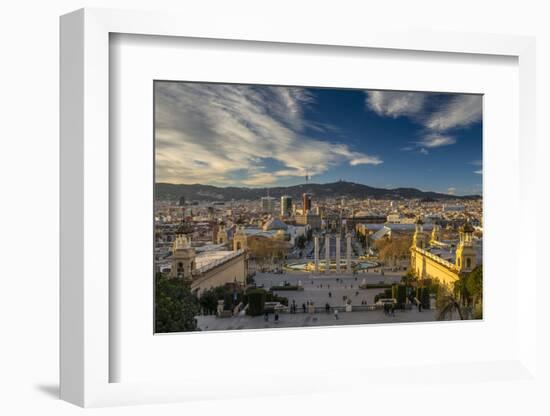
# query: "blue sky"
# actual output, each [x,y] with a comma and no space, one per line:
[256,136]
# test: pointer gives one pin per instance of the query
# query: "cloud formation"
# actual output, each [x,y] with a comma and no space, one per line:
[436,140]
[395,104]
[241,135]
[460,111]
[478,163]
[439,114]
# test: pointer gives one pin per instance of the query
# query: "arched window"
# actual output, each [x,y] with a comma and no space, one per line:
[238,245]
[468,263]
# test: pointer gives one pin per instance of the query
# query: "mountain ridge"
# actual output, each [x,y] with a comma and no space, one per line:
[199,192]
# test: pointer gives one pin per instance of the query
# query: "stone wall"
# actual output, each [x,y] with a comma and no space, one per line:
[226,272]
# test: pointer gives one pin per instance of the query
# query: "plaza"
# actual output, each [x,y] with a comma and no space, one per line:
[316,289]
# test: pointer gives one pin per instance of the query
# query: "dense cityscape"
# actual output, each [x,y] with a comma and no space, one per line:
[319,262]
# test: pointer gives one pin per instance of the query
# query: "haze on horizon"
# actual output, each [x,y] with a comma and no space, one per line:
[266,136]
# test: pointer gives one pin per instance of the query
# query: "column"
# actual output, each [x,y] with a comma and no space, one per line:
[327,253]
[338,254]
[348,252]
[316,239]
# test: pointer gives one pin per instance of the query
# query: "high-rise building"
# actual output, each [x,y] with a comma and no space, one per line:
[286,206]
[306,203]
[268,204]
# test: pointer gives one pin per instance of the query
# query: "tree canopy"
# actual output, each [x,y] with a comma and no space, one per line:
[175,305]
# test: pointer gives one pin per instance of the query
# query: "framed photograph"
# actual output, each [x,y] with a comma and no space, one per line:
[256,227]
[260,205]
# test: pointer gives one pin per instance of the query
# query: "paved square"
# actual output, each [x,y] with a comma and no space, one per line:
[316,289]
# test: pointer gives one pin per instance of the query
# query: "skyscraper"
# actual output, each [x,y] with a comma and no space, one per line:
[306,202]
[268,204]
[286,206]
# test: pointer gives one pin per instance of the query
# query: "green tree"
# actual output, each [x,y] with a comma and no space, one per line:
[474,286]
[175,305]
[209,299]
[256,301]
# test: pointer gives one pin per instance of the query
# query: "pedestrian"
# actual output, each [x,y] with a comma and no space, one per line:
[266,317]
[335,313]
[304,307]
[327,308]
[276,316]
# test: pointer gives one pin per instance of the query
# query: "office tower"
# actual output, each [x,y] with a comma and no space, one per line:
[286,206]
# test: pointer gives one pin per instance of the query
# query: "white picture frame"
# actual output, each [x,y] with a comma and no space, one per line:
[86,355]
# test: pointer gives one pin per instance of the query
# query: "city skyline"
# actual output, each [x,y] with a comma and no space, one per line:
[262,137]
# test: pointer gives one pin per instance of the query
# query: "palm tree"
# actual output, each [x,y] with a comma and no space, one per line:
[448,305]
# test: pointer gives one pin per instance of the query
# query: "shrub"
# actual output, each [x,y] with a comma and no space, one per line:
[423,295]
[425,299]
[227,301]
[256,301]
[272,297]
[375,286]
[289,287]
[399,294]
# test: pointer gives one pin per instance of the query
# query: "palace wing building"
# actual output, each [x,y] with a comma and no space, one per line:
[432,259]
[207,269]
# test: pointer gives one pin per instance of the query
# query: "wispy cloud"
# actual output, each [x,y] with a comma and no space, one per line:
[477,163]
[439,114]
[436,140]
[451,190]
[395,104]
[364,160]
[460,111]
[224,134]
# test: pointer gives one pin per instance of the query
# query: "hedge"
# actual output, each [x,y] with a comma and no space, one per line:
[399,293]
[256,301]
[291,287]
